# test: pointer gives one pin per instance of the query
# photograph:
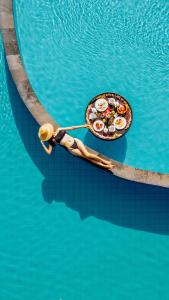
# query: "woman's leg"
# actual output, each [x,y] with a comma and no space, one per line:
[78,153]
[89,155]
[100,164]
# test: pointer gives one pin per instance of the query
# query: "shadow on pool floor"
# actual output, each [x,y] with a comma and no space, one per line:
[114,149]
[87,189]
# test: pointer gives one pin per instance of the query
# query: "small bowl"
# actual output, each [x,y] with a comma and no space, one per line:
[122,109]
[112,128]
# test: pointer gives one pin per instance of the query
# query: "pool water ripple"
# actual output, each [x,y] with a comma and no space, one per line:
[83,234]
[73,51]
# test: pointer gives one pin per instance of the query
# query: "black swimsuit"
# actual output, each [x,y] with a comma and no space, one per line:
[57,139]
[74,146]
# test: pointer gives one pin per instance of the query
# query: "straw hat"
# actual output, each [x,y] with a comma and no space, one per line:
[45,132]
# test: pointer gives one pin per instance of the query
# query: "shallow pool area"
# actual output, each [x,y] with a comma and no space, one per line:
[81,234]
[74,51]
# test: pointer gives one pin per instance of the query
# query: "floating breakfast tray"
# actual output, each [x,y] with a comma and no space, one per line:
[109,116]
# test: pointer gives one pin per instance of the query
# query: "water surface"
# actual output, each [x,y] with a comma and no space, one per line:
[73,235]
[75,50]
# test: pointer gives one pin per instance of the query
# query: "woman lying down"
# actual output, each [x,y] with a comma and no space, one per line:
[73,145]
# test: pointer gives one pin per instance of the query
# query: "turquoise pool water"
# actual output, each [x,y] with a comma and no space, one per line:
[83,235]
[74,50]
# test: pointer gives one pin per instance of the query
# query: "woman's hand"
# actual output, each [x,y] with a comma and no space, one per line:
[48,150]
[88,126]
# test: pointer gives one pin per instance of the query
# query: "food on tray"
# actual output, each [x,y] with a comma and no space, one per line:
[94,110]
[122,109]
[106,116]
[111,121]
[120,123]
[101,104]
[98,125]
[111,101]
[112,128]
[108,113]
[105,130]
[112,113]
[92,116]
[117,103]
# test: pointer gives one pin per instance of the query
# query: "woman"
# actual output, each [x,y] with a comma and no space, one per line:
[73,145]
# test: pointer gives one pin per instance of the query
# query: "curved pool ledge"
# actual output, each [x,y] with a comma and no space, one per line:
[36,109]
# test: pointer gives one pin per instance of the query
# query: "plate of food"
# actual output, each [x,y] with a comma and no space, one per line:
[98,125]
[120,123]
[122,109]
[101,104]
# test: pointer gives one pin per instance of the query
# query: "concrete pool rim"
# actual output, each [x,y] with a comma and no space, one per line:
[36,109]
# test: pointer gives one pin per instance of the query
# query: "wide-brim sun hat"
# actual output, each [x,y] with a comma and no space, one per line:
[45,132]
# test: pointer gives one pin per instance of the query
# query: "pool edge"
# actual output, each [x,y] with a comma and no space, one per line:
[39,113]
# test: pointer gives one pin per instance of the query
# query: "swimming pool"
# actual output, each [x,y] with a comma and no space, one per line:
[74,51]
[86,235]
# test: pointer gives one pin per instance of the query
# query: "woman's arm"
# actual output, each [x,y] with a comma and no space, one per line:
[48,150]
[74,127]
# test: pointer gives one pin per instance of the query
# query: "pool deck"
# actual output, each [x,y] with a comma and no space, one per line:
[36,109]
